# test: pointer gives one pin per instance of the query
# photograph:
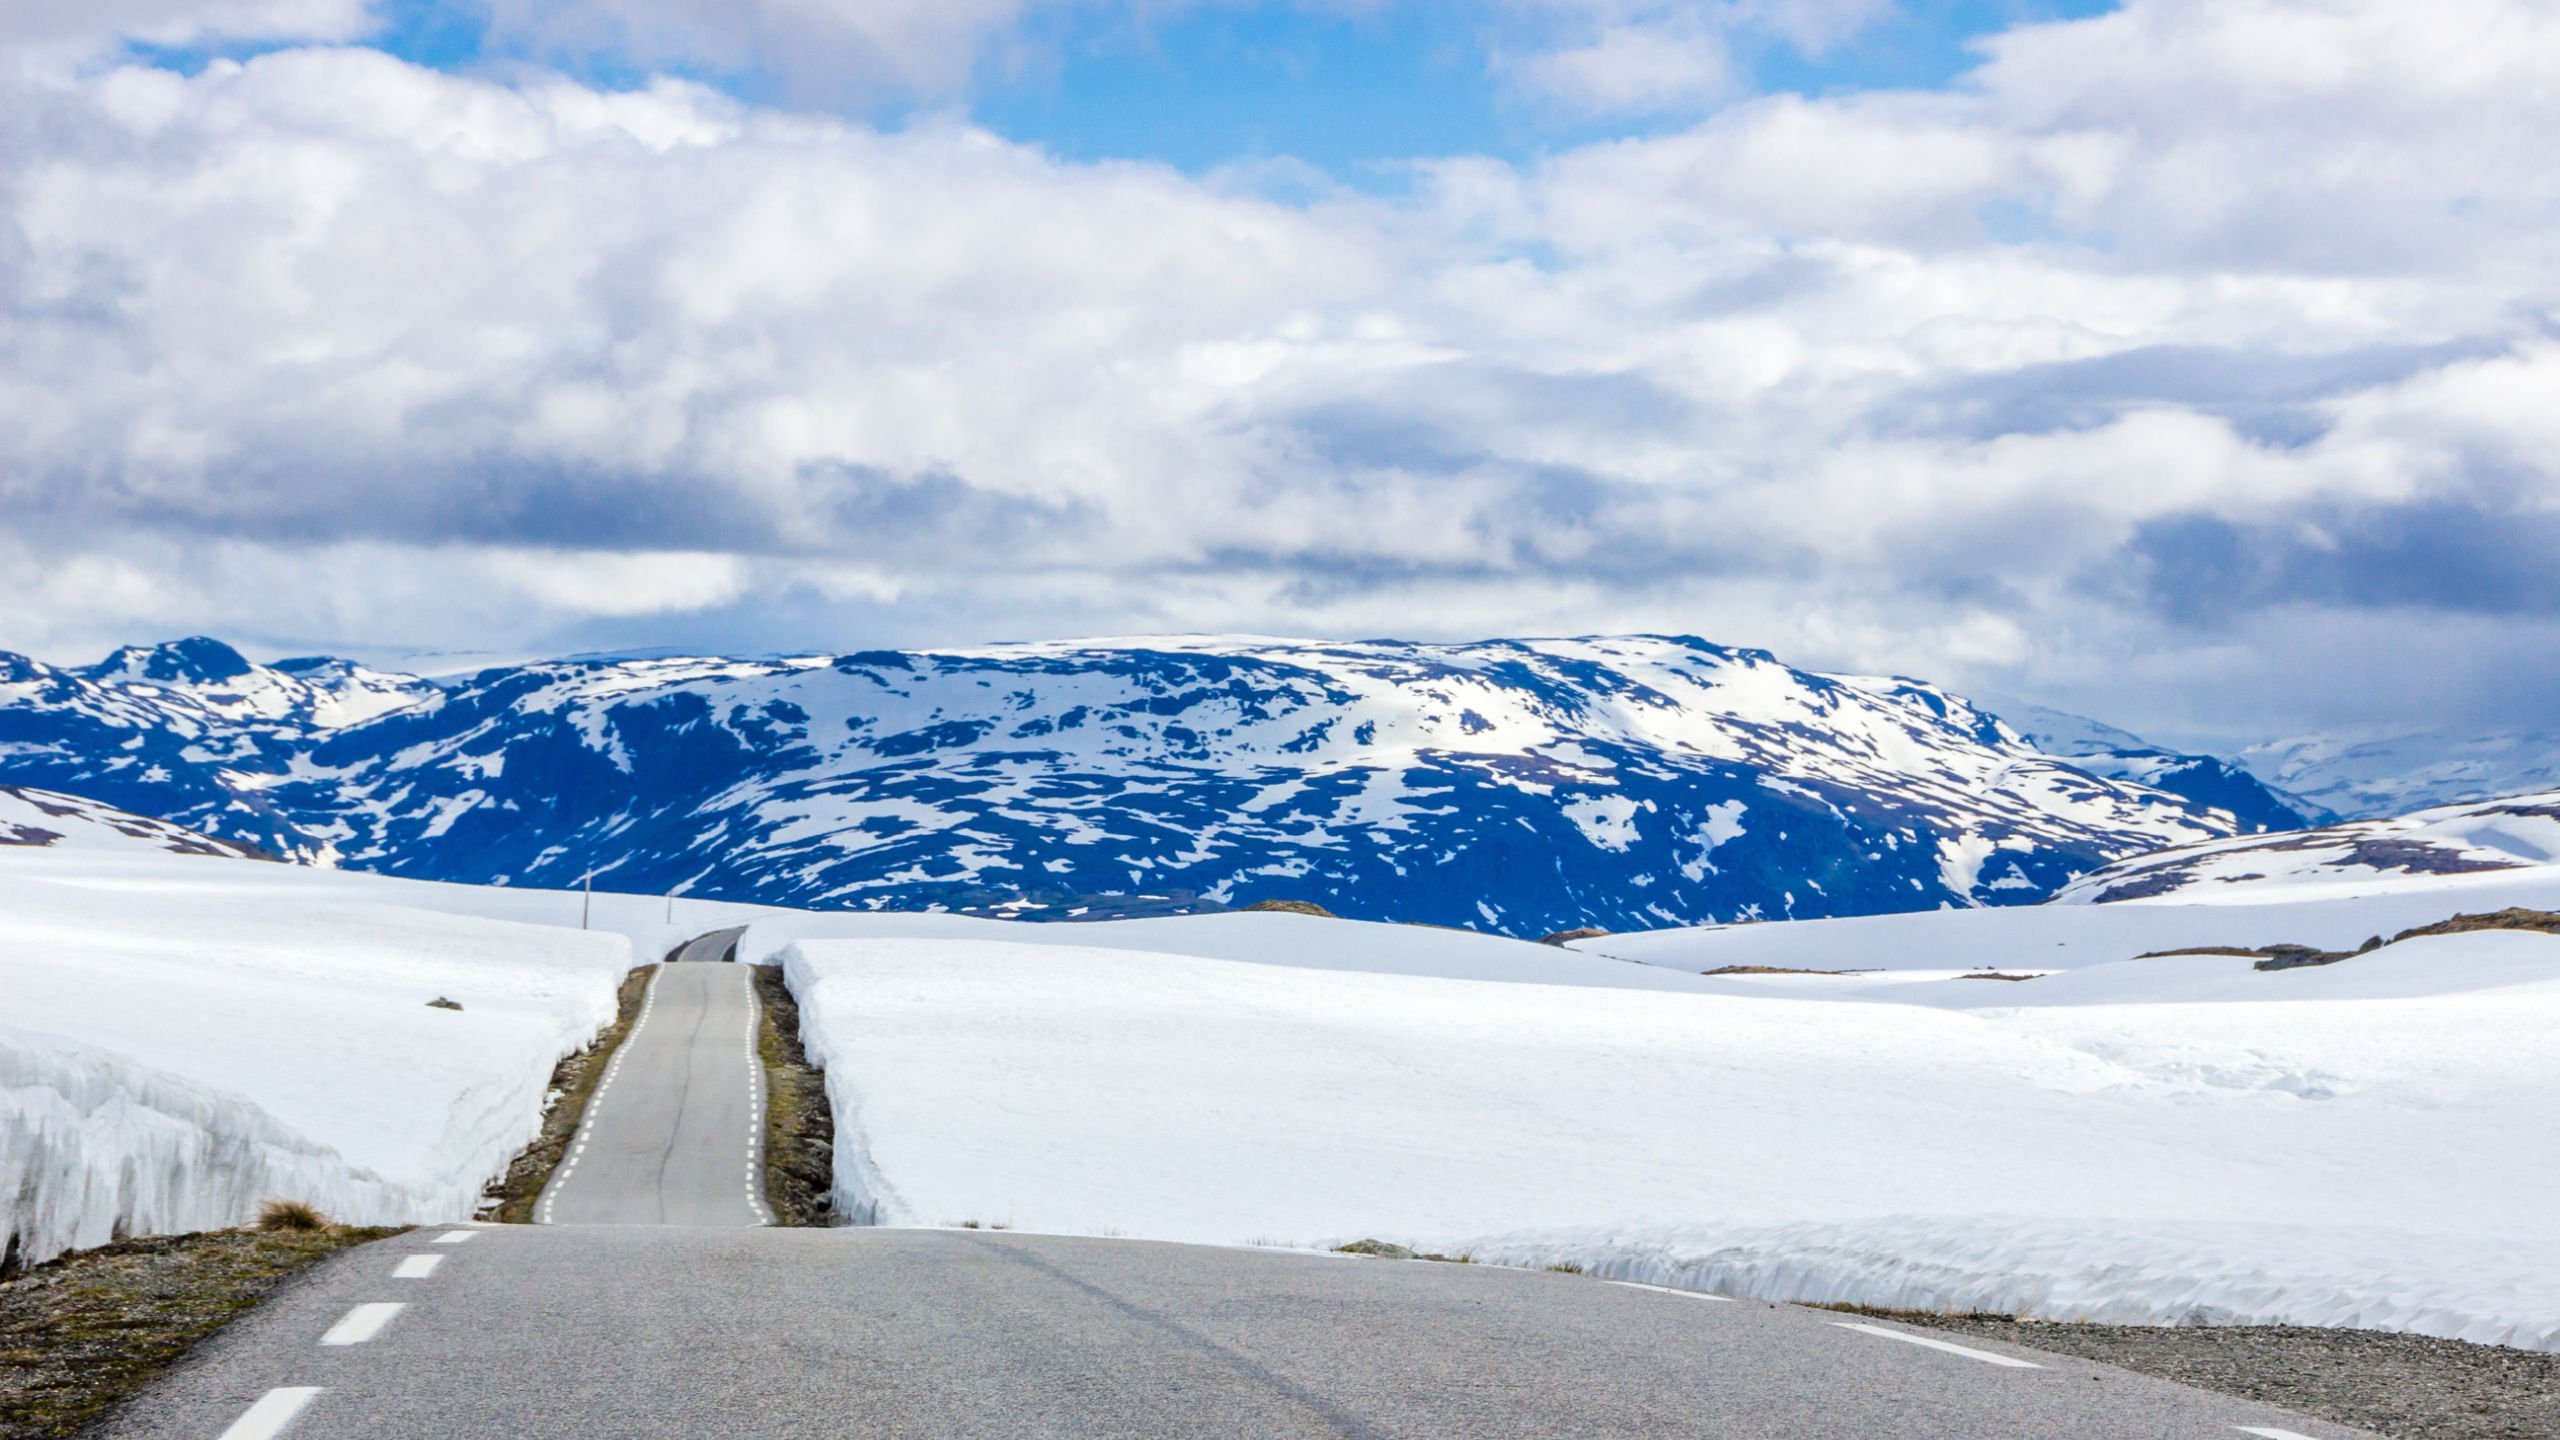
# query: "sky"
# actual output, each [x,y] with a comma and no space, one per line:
[2194,364]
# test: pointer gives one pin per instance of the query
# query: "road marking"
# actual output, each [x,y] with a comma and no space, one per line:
[275,1410]
[417,1267]
[455,1237]
[2270,1433]
[362,1323]
[1668,1290]
[1907,1338]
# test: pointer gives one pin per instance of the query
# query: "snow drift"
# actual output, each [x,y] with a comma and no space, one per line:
[2151,1139]
[182,1038]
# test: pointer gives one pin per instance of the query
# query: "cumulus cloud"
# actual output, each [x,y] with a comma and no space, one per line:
[820,49]
[2165,336]
[57,31]
[1639,57]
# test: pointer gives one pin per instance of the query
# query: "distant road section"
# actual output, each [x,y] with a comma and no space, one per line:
[674,1134]
[711,948]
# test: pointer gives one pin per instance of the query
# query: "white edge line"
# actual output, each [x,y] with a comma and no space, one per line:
[1669,1290]
[2270,1432]
[362,1323]
[1907,1338]
[273,1411]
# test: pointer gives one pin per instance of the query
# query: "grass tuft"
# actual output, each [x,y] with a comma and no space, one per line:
[292,1215]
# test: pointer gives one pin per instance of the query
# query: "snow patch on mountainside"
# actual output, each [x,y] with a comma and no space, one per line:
[2103,749]
[2515,838]
[2379,775]
[44,818]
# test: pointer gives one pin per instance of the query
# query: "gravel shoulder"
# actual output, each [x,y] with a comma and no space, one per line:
[86,1329]
[509,1199]
[2411,1387]
[800,1129]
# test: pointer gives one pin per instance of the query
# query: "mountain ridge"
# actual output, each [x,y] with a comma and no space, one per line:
[1523,786]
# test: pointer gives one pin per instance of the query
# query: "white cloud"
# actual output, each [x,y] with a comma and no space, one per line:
[1621,57]
[59,30]
[2044,376]
[1674,63]
[822,49]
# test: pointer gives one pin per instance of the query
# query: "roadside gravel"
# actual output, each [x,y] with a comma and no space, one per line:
[86,1329]
[2410,1387]
[800,1129]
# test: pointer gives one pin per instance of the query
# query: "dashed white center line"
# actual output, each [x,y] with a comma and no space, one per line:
[417,1267]
[275,1410]
[362,1323]
[1668,1290]
[1907,1338]
[2270,1433]
[455,1237]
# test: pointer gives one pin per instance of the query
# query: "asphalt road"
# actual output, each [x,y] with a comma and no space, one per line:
[654,1305]
[718,945]
[675,1131]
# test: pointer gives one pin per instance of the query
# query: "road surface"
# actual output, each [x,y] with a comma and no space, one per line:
[653,1305]
[718,945]
[674,1133]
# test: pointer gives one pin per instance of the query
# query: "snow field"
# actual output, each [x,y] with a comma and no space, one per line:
[2065,935]
[182,1038]
[2367,1143]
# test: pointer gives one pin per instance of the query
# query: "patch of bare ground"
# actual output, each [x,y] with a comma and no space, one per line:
[84,1330]
[2295,957]
[509,1199]
[2410,1387]
[799,1128]
[1772,970]
[1286,907]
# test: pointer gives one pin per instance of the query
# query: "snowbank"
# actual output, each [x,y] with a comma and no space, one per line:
[93,1146]
[1264,937]
[185,1037]
[2159,1140]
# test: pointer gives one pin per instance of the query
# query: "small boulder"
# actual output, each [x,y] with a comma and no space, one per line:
[441,1003]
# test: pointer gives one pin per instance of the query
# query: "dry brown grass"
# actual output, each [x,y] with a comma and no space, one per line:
[799,1127]
[291,1215]
[84,1330]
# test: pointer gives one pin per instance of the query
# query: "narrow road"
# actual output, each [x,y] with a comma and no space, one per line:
[674,1134]
[654,1303]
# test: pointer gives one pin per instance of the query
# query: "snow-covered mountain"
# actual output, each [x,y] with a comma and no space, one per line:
[1519,786]
[44,819]
[2367,776]
[2517,838]
[2102,749]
